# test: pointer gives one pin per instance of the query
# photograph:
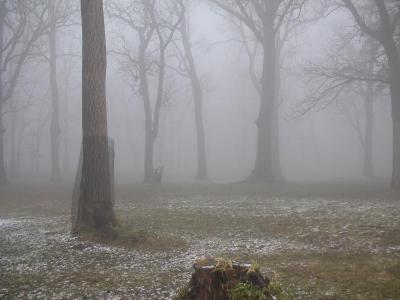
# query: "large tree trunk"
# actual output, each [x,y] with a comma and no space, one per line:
[78,179]
[95,208]
[54,124]
[368,168]
[263,170]
[276,152]
[201,173]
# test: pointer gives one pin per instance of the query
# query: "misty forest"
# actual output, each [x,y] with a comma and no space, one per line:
[200,149]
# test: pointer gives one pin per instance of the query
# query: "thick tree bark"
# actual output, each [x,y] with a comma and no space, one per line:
[95,208]
[263,169]
[54,124]
[201,173]
[78,179]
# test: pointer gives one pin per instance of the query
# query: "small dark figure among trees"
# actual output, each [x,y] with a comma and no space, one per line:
[157,175]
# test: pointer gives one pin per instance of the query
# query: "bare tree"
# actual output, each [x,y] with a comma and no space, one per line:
[95,207]
[54,125]
[358,71]
[263,19]
[187,68]
[385,29]
[60,16]
[21,25]
[149,20]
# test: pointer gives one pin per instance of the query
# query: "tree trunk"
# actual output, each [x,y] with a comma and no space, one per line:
[276,155]
[54,124]
[201,173]
[368,168]
[13,168]
[38,137]
[65,164]
[263,170]
[95,208]
[394,74]
[149,140]
[3,177]
[149,150]
[78,179]
[396,154]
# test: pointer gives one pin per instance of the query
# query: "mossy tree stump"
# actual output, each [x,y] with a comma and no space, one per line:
[216,279]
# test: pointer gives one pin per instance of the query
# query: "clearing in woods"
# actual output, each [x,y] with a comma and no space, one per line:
[318,241]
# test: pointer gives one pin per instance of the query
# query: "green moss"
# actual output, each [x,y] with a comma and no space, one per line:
[246,291]
[276,289]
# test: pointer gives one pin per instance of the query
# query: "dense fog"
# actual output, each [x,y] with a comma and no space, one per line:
[200,149]
[319,145]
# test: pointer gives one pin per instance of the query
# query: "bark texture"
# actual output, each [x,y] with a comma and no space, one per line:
[215,281]
[95,208]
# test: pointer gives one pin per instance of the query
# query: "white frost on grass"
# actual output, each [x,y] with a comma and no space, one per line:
[54,264]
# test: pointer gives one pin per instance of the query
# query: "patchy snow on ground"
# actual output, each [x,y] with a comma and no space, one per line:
[40,259]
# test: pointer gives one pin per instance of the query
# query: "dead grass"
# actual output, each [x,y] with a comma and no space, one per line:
[127,237]
[320,241]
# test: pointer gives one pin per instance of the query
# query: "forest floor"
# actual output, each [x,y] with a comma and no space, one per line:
[318,241]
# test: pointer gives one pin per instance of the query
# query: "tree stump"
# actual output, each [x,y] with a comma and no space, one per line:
[214,279]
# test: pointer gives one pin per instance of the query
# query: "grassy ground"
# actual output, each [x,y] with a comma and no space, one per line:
[320,241]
